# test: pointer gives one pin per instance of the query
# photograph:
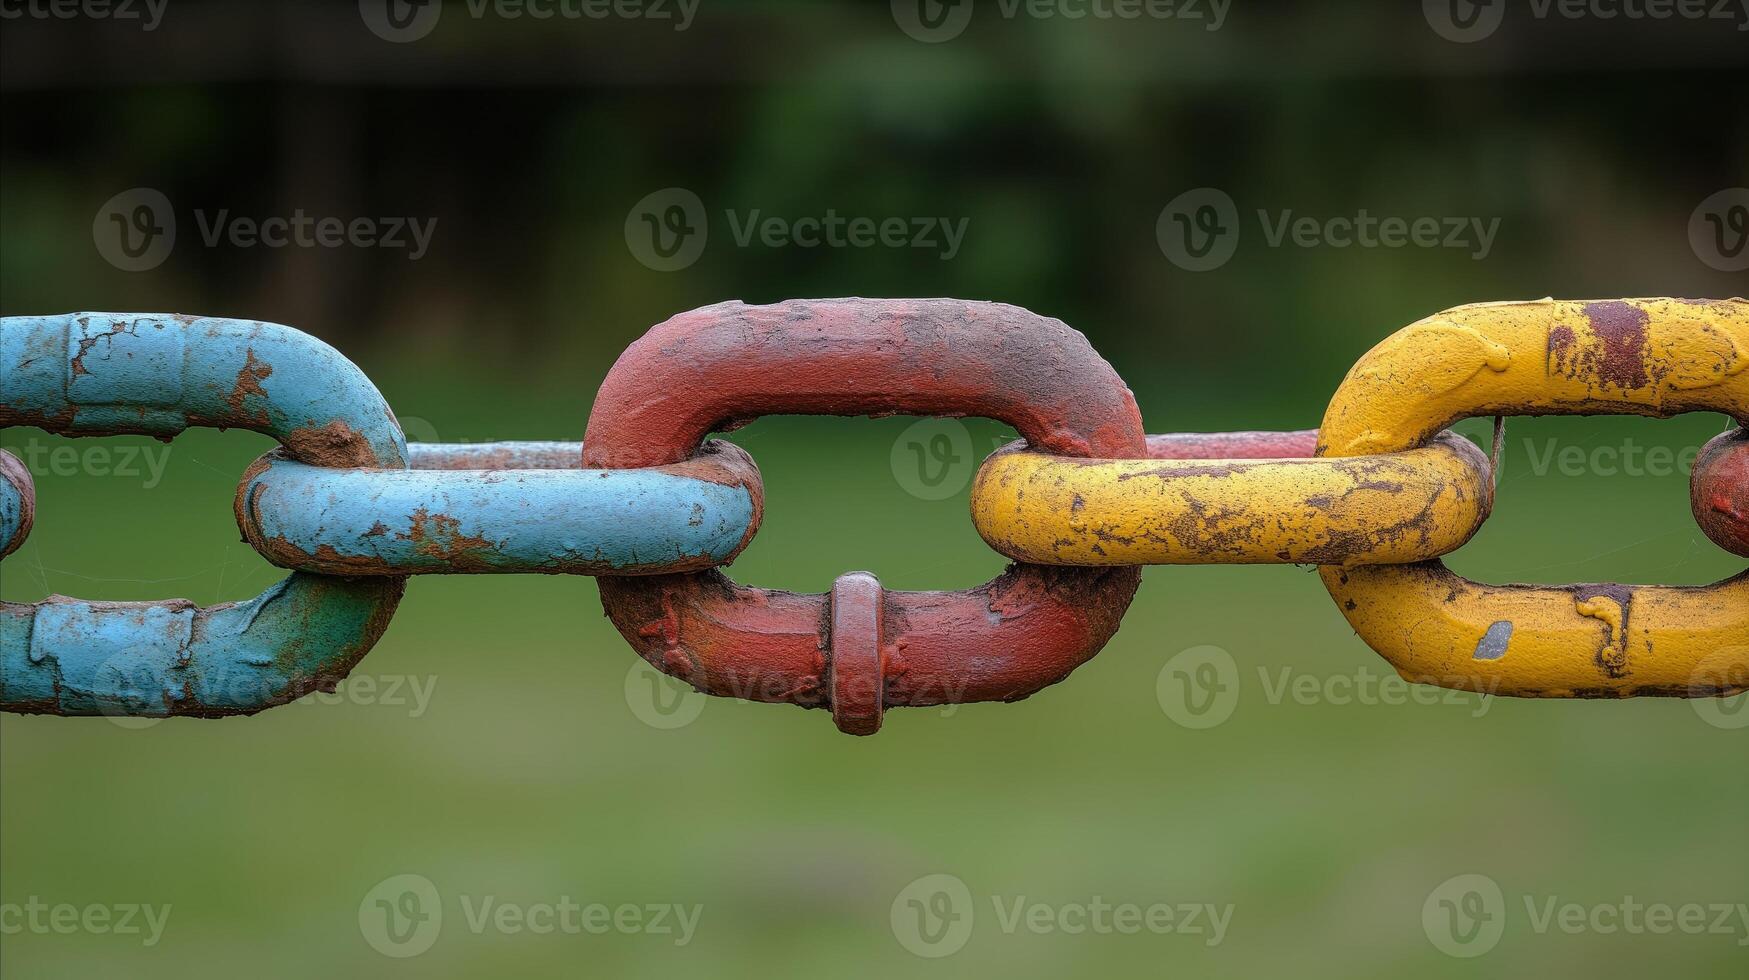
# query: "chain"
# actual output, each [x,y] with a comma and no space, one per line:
[654,507]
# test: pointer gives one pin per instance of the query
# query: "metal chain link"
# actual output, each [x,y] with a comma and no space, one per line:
[654,507]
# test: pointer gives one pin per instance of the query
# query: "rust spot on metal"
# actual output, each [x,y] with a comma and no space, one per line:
[334,444]
[282,552]
[77,366]
[249,378]
[1622,328]
[56,422]
[1560,347]
[439,536]
[711,369]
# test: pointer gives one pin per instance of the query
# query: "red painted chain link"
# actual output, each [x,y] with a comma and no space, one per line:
[1084,491]
[1719,491]
[861,648]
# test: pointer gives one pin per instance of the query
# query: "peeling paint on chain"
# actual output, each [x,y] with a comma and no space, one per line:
[1654,357]
[1397,507]
[156,375]
[70,657]
[660,506]
[722,366]
[513,517]
[17,503]
[94,374]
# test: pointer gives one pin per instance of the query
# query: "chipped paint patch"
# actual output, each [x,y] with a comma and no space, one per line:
[107,374]
[1400,507]
[711,369]
[687,517]
[1493,644]
[1655,357]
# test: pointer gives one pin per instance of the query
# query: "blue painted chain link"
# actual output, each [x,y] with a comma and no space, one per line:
[338,503]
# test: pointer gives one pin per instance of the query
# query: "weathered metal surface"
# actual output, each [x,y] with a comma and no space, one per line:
[1392,508]
[1550,641]
[857,666]
[1719,491]
[683,517]
[17,503]
[1652,357]
[1002,641]
[69,657]
[719,367]
[715,368]
[1086,487]
[105,373]
[1655,357]
[1298,444]
[156,375]
[494,455]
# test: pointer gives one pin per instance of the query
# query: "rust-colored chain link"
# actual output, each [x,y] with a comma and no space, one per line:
[654,507]
[861,648]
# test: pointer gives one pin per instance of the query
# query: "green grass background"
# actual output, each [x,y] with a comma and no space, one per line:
[528,777]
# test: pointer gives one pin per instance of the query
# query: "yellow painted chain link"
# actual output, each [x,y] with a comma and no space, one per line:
[1391,491]
[1394,507]
[1655,357]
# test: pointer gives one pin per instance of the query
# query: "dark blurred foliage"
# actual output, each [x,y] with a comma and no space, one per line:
[1060,141]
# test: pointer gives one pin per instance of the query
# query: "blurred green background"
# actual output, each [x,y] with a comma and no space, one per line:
[529,774]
